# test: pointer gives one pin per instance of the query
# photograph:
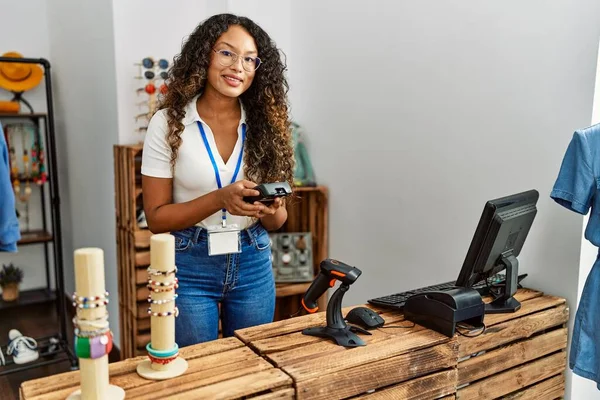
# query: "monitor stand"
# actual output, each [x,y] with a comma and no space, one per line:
[506,303]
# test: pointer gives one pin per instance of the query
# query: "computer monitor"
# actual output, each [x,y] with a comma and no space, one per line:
[496,244]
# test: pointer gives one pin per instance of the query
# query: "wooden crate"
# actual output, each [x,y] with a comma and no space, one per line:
[133,252]
[521,355]
[307,212]
[222,369]
[395,363]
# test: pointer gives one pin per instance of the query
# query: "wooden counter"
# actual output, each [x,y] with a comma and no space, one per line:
[521,355]
[223,369]
[517,351]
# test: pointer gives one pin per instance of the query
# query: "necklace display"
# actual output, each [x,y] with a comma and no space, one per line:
[33,167]
[38,167]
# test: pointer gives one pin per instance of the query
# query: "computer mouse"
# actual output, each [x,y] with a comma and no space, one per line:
[365,317]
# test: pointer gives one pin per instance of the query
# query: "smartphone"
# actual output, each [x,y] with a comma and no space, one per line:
[269,192]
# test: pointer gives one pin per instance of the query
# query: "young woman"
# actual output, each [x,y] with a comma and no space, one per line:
[222,129]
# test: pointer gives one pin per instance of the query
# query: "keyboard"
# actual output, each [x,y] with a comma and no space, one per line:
[398,300]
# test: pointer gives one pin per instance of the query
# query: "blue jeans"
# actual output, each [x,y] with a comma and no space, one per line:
[242,283]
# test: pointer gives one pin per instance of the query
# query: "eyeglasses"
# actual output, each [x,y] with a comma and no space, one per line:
[227,58]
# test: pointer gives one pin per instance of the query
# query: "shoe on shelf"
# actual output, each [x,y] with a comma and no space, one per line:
[53,344]
[22,348]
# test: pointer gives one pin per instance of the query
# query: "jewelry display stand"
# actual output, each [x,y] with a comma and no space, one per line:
[93,338]
[163,353]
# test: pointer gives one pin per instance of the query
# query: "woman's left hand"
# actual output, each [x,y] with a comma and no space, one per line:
[271,209]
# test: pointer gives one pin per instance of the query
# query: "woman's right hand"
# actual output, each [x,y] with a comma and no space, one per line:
[232,199]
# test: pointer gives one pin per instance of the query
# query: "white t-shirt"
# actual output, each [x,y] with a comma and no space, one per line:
[194,172]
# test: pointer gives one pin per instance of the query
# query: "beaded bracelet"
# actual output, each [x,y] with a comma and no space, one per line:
[162,353]
[95,324]
[90,334]
[152,271]
[94,347]
[163,314]
[83,299]
[90,305]
[150,300]
[78,320]
[163,361]
[156,283]
[167,289]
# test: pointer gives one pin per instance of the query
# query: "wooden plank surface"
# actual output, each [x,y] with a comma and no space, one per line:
[143,324]
[292,325]
[141,277]
[142,339]
[520,356]
[426,387]
[326,357]
[293,340]
[506,332]
[142,258]
[216,353]
[142,238]
[552,388]
[509,356]
[238,387]
[515,379]
[380,373]
[201,372]
[282,394]
[528,306]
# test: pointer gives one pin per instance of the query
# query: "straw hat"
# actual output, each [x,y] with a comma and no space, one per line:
[19,77]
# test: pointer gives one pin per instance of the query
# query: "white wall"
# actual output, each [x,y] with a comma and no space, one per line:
[140,33]
[32,43]
[419,112]
[274,16]
[83,60]
[140,30]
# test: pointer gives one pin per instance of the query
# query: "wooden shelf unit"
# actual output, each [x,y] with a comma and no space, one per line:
[130,245]
[28,297]
[307,212]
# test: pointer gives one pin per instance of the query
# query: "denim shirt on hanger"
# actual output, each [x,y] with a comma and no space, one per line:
[9,224]
[577,188]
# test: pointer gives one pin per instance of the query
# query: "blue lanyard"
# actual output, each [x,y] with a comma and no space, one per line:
[214,164]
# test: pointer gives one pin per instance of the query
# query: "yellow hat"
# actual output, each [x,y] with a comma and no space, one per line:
[19,77]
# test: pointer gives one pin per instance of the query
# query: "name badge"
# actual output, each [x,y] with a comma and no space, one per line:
[224,240]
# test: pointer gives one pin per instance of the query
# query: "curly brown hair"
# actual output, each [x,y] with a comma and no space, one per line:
[269,155]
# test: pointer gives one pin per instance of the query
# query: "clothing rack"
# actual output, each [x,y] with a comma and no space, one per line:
[60,344]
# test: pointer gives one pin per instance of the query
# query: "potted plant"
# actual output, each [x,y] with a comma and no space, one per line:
[10,278]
